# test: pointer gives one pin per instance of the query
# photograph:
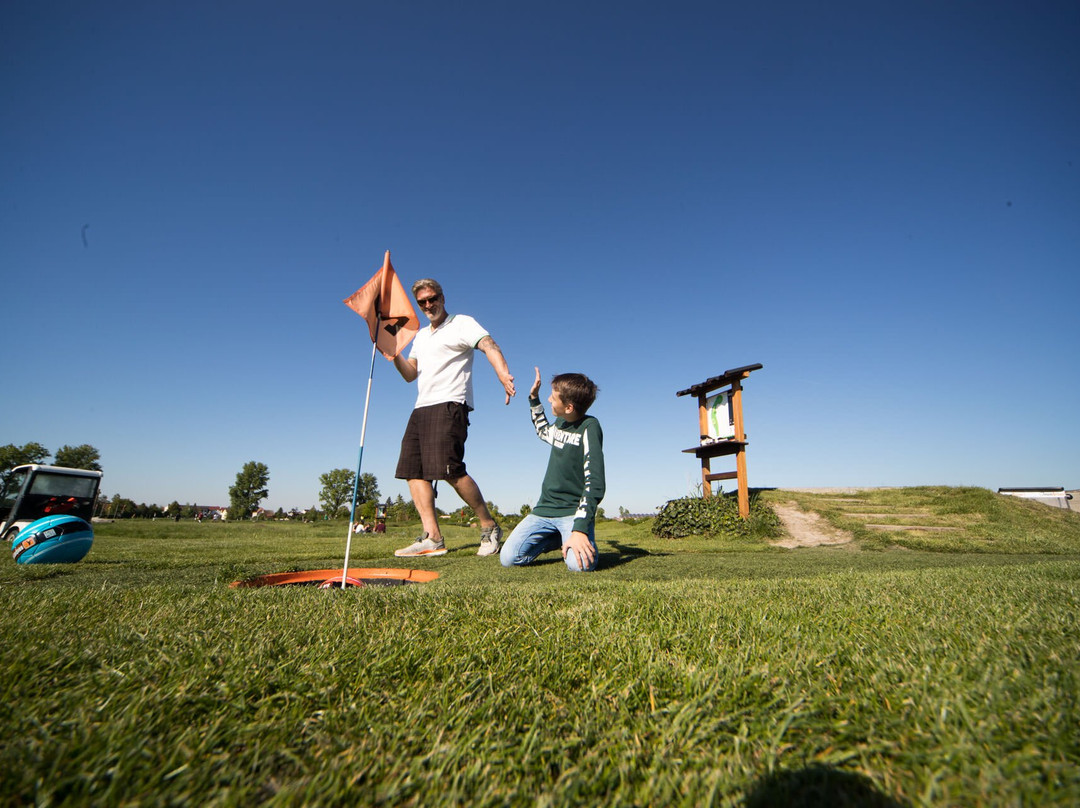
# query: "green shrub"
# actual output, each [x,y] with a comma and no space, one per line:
[714,517]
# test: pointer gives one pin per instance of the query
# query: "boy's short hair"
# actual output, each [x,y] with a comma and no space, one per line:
[427,283]
[577,389]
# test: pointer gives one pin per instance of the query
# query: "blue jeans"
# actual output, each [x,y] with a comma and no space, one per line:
[541,534]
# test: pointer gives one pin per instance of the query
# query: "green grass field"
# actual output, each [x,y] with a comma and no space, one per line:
[688,672]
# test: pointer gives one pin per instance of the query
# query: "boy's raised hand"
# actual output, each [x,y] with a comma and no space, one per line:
[534,391]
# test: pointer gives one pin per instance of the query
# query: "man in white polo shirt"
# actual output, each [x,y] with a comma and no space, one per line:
[433,448]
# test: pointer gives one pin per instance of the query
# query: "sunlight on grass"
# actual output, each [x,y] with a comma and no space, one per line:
[674,675]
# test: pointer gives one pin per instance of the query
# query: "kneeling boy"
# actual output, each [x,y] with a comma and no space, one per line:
[565,516]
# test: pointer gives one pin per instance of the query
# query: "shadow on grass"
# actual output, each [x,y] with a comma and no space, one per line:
[30,573]
[818,787]
[624,555]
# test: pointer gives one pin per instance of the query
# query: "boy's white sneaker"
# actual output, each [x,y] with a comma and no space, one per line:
[489,540]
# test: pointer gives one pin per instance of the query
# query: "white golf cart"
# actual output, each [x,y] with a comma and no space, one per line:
[33,491]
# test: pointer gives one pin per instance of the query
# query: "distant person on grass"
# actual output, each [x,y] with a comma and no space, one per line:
[433,448]
[565,516]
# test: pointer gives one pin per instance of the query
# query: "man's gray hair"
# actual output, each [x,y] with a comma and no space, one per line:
[426,283]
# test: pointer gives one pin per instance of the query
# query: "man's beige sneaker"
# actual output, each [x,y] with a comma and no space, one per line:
[424,546]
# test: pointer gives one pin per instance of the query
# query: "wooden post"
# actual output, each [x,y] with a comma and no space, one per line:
[703,426]
[740,456]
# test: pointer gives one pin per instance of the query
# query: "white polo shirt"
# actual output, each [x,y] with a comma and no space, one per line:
[444,360]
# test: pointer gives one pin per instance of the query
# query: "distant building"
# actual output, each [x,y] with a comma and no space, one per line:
[1056,497]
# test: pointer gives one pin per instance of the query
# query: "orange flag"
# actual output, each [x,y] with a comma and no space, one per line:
[384,303]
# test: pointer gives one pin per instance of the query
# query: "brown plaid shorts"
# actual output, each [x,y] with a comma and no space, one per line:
[434,444]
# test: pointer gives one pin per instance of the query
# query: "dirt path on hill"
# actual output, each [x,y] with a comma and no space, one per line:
[807,529]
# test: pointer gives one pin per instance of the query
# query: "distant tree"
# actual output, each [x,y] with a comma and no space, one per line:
[12,456]
[402,511]
[337,492]
[397,505]
[337,488]
[526,509]
[368,489]
[250,489]
[397,511]
[120,508]
[366,512]
[83,456]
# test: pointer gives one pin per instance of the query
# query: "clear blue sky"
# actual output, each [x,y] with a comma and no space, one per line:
[879,201]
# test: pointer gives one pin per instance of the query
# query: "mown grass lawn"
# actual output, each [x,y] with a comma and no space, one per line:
[689,672]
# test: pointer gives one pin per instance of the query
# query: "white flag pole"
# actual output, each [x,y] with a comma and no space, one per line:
[359,462]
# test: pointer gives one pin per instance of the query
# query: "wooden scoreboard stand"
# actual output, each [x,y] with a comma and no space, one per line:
[730,441]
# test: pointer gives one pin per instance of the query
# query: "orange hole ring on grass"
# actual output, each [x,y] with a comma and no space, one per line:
[369,577]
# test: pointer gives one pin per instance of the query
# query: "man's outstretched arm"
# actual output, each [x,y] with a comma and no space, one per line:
[498,362]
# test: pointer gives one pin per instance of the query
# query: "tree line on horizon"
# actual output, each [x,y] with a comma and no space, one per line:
[245,495]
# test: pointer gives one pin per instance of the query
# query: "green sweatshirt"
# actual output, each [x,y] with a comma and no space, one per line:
[574,481]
